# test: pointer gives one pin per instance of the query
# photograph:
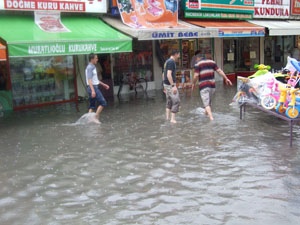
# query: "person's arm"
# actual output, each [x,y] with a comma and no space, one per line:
[221,73]
[196,77]
[92,88]
[104,85]
[172,83]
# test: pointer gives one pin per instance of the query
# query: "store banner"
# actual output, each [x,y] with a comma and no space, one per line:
[241,32]
[149,13]
[49,21]
[218,9]
[87,34]
[67,48]
[79,6]
[295,7]
[271,9]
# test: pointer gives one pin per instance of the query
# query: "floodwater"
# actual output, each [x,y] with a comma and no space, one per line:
[137,168]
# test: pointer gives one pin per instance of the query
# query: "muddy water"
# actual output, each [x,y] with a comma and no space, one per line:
[137,168]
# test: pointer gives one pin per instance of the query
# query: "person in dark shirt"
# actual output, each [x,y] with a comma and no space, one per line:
[169,82]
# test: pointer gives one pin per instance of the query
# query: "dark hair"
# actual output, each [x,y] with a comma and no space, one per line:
[91,56]
[174,51]
[197,52]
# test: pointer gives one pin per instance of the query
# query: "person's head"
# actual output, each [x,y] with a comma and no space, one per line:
[175,53]
[197,52]
[199,57]
[93,58]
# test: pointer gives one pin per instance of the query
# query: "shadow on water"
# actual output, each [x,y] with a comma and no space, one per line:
[137,168]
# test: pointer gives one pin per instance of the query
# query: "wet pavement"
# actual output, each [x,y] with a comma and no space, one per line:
[137,168]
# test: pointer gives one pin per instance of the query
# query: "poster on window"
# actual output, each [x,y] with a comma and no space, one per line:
[149,13]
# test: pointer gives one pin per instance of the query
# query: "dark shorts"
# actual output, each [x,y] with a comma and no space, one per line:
[99,97]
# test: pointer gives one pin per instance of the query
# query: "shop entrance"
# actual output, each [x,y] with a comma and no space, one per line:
[105,75]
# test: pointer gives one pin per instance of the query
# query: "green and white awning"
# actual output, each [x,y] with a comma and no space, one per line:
[87,34]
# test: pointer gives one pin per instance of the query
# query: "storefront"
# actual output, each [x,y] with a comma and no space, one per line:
[237,47]
[282,32]
[281,41]
[41,66]
[239,42]
[150,44]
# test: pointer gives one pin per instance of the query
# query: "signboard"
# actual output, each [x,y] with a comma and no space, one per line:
[149,14]
[68,48]
[216,15]
[295,7]
[78,6]
[159,35]
[242,32]
[219,9]
[272,9]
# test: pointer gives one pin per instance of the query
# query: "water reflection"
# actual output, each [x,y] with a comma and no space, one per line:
[137,168]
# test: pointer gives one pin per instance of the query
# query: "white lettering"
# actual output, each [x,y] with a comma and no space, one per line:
[46,49]
[71,6]
[14,4]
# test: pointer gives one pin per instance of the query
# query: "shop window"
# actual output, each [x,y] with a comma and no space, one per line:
[40,80]
[240,54]
[277,49]
[187,49]
[138,63]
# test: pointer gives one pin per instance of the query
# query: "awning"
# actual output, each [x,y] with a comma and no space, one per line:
[231,28]
[182,31]
[87,34]
[279,27]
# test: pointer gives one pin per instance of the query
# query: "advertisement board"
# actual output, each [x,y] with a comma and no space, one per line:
[76,6]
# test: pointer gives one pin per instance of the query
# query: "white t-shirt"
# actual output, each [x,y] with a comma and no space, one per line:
[91,73]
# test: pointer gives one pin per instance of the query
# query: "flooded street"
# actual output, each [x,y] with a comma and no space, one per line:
[137,168]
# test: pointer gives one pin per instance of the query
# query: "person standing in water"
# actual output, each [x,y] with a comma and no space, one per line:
[169,82]
[93,90]
[205,75]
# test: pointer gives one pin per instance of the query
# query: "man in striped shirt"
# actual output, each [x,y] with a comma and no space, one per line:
[205,75]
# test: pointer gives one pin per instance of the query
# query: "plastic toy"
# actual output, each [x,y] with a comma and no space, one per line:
[246,93]
[270,100]
[292,111]
[261,70]
[293,108]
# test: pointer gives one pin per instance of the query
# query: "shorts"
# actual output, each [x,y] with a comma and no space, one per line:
[206,96]
[173,100]
[99,97]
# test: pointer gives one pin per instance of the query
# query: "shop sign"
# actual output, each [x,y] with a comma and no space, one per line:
[158,35]
[220,6]
[275,9]
[67,48]
[149,14]
[295,7]
[79,6]
[234,32]
[217,15]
